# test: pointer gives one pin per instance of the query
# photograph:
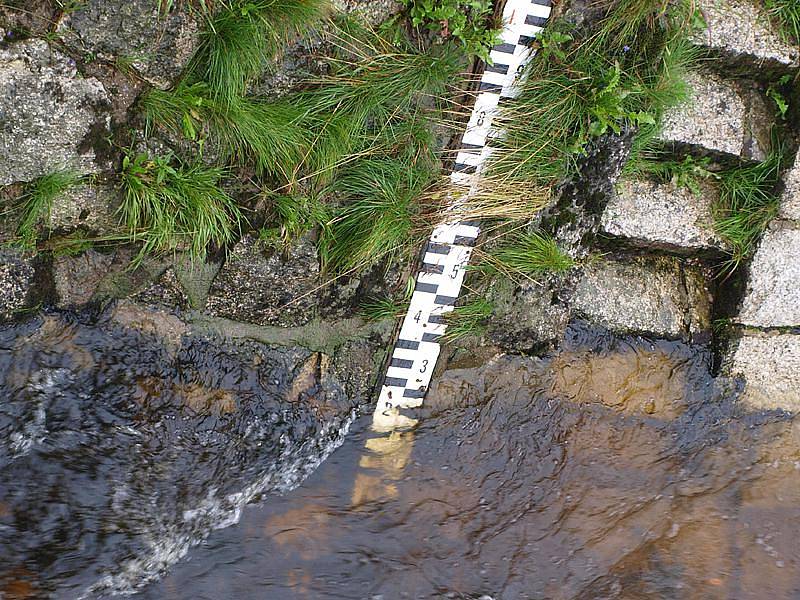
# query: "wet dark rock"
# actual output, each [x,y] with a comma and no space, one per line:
[127,438]
[165,292]
[47,112]
[266,286]
[134,33]
[526,317]
[575,216]
[77,277]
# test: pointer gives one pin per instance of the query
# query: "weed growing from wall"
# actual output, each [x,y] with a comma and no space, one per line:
[172,206]
[37,202]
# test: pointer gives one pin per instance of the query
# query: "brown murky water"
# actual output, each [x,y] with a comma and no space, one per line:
[615,469]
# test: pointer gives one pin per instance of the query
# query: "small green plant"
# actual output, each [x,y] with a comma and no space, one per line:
[467,320]
[776,92]
[787,14]
[747,204]
[378,219]
[298,214]
[529,254]
[171,207]
[37,201]
[687,173]
[468,21]
[243,37]
[388,307]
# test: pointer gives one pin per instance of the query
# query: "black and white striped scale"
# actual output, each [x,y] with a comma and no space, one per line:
[449,248]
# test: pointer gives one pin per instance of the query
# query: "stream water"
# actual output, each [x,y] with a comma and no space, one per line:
[616,468]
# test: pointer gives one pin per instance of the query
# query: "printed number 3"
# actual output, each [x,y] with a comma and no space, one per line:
[424,366]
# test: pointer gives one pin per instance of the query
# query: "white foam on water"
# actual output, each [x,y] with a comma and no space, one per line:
[169,546]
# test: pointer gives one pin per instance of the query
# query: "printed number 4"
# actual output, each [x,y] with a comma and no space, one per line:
[418,316]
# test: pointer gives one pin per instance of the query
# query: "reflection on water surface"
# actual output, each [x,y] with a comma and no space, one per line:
[613,469]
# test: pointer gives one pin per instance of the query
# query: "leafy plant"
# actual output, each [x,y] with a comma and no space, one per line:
[169,205]
[37,201]
[684,173]
[530,254]
[776,93]
[467,320]
[468,21]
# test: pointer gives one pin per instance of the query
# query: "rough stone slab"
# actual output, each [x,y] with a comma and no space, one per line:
[158,46]
[265,286]
[46,113]
[770,365]
[644,295]
[525,317]
[790,201]
[78,277]
[742,30]
[773,288]
[723,117]
[16,277]
[89,206]
[663,216]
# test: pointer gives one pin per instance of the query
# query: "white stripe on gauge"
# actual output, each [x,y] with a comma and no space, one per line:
[444,260]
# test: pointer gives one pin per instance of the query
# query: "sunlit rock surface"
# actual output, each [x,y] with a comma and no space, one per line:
[773,286]
[770,364]
[662,216]
[50,116]
[723,116]
[656,295]
[134,33]
[742,32]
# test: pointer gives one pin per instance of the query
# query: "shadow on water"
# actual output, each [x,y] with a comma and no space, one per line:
[616,468]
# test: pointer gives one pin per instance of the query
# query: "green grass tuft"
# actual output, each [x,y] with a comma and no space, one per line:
[787,14]
[37,201]
[467,320]
[388,307]
[529,254]
[378,218]
[243,37]
[747,204]
[296,215]
[176,208]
